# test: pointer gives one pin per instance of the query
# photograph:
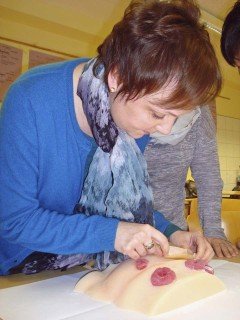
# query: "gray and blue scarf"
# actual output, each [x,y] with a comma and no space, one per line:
[117,183]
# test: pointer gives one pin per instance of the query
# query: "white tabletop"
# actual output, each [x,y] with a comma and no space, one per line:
[54,299]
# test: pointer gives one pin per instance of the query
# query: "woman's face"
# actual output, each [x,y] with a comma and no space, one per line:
[144,115]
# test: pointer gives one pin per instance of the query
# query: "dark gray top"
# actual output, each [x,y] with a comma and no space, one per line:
[168,166]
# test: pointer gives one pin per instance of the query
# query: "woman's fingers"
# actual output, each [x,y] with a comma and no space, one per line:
[204,249]
[137,240]
[161,241]
[200,247]
[141,249]
[194,241]
[133,254]
[209,253]
[223,247]
[158,250]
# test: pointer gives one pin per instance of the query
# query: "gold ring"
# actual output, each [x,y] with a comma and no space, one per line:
[149,246]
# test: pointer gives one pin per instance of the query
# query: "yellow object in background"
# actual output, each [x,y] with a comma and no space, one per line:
[230,218]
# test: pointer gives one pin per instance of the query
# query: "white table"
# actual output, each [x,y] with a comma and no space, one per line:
[54,299]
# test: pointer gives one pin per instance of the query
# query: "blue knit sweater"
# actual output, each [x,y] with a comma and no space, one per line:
[43,160]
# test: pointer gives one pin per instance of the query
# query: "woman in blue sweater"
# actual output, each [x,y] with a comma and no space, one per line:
[74,184]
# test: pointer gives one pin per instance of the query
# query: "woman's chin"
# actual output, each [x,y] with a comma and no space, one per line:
[137,134]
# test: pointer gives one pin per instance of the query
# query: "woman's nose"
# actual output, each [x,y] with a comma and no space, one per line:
[166,127]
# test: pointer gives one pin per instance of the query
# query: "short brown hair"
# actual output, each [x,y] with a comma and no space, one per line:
[160,41]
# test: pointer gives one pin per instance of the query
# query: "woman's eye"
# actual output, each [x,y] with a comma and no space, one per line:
[156,116]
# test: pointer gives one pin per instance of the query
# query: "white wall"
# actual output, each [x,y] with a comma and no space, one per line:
[228,137]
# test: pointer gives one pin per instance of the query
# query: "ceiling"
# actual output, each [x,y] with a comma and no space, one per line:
[103,9]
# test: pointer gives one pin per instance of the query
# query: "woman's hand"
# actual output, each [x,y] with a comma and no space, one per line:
[194,241]
[133,238]
[238,244]
[223,248]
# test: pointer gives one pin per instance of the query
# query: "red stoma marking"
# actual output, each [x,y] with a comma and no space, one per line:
[162,276]
[141,263]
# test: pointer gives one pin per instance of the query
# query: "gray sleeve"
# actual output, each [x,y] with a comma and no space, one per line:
[206,172]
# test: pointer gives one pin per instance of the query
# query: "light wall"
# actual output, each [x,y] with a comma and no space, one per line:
[64,29]
[228,103]
[228,137]
[78,31]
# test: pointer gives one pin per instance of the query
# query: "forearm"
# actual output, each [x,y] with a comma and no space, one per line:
[209,205]
[50,231]
[209,188]
[206,172]
[163,225]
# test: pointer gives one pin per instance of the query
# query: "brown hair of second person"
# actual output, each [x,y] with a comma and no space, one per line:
[158,42]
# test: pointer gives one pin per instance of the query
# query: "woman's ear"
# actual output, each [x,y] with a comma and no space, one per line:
[113,81]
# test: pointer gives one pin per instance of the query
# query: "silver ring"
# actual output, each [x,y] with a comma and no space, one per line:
[149,246]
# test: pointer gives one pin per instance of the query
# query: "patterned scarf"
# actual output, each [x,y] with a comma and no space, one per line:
[117,184]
